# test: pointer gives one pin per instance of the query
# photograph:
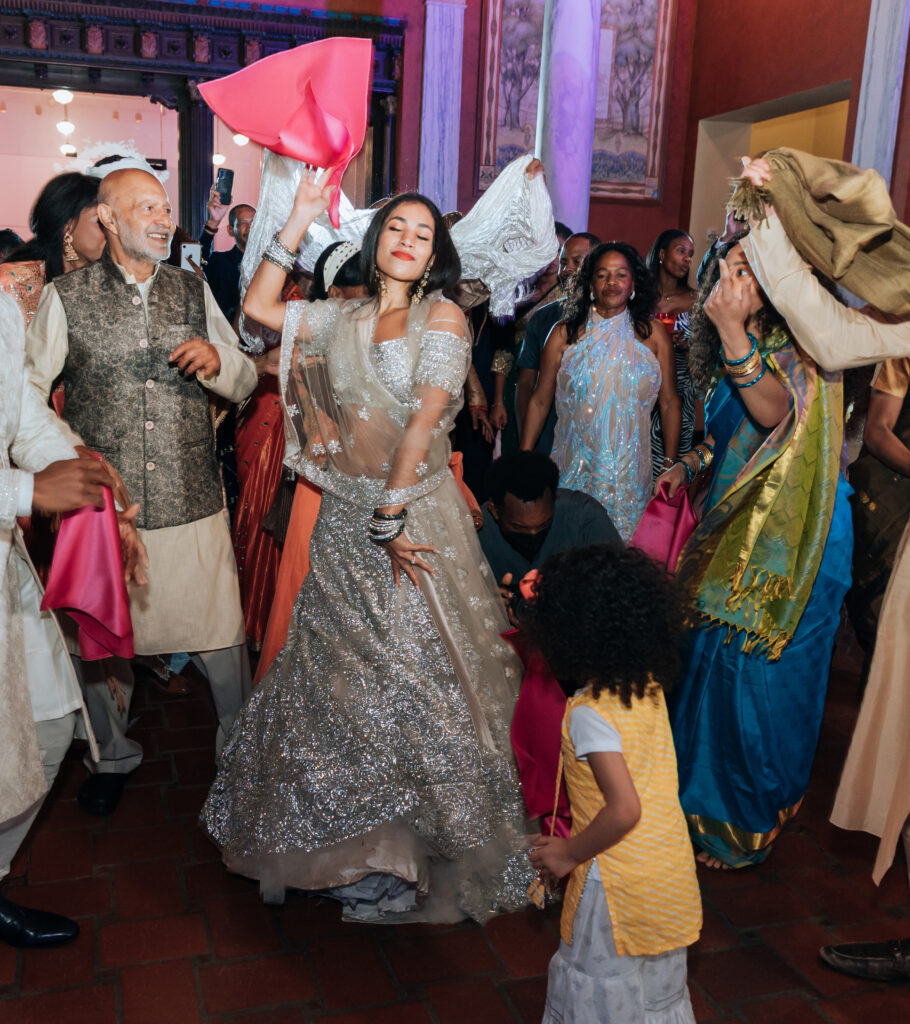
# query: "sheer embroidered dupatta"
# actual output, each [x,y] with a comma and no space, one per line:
[349,434]
[346,431]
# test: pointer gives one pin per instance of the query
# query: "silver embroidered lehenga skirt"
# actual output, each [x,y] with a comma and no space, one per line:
[373,762]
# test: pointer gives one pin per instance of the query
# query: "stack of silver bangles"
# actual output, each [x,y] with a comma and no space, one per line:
[278,253]
[385,527]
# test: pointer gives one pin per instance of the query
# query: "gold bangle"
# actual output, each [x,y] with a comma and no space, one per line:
[706,456]
[750,366]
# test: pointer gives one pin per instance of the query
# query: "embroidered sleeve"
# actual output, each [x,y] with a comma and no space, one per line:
[442,361]
[502,362]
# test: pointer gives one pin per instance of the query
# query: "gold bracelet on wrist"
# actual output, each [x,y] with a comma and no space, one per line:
[748,367]
[705,456]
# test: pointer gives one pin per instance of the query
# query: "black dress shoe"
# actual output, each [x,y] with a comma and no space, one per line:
[101,792]
[876,961]
[32,929]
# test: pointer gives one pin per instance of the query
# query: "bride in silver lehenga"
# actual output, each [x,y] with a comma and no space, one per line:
[373,763]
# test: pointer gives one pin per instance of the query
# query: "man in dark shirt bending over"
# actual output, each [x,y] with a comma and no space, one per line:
[530,517]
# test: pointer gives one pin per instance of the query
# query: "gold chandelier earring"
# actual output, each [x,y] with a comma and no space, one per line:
[69,253]
[418,294]
[379,282]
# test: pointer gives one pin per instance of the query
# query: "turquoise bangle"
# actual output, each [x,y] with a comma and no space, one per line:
[746,358]
[685,466]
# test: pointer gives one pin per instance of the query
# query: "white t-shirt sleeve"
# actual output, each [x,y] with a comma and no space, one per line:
[591,733]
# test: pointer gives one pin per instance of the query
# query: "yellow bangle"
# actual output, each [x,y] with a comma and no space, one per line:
[750,366]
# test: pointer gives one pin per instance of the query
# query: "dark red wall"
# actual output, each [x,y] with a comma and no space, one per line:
[745,54]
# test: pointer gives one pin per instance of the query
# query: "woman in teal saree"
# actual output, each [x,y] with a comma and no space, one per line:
[766,570]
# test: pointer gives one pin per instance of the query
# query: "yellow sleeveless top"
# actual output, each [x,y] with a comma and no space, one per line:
[649,875]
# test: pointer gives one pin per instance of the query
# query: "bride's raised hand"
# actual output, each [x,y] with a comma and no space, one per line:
[313,195]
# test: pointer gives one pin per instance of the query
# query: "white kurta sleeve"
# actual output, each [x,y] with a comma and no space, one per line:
[835,336]
[237,377]
[46,341]
[10,497]
[41,437]
[26,492]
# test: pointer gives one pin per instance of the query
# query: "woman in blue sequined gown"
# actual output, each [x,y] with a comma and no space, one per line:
[373,763]
[606,365]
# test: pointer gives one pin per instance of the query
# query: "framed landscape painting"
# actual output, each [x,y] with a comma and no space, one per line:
[632,82]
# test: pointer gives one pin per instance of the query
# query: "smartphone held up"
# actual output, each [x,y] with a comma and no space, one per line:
[224,185]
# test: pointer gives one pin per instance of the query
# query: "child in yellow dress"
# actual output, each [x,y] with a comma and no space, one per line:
[608,620]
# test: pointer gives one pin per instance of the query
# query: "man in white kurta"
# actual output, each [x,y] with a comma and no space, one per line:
[39,696]
[139,344]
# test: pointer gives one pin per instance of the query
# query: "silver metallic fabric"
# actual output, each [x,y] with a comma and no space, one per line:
[606,386]
[374,761]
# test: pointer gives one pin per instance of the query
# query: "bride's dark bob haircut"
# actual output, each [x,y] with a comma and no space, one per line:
[445,272]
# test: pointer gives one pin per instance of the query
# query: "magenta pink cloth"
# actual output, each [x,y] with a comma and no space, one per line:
[537,737]
[86,581]
[665,527]
[309,103]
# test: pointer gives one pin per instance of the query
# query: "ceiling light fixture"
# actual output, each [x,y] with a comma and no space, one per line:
[66,127]
[62,96]
[68,149]
[218,159]
[240,139]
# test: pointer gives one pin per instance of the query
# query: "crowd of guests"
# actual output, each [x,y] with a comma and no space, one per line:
[371,515]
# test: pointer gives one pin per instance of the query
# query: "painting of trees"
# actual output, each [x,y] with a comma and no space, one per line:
[519,68]
[633,58]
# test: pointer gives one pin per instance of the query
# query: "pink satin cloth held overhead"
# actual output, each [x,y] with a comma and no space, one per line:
[86,581]
[309,103]
[665,527]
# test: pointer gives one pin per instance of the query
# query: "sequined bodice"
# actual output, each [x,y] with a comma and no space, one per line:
[393,367]
[605,389]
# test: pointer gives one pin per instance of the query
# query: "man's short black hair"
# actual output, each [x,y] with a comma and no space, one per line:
[527,475]
[587,235]
[563,231]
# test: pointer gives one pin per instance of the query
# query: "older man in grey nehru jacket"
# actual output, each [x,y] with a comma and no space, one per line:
[139,345]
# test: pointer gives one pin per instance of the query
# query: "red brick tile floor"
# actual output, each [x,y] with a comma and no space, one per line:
[168,937]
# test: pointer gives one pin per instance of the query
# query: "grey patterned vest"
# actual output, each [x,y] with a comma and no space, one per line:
[126,401]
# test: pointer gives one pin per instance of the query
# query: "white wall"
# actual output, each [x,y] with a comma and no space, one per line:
[30,149]
[30,146]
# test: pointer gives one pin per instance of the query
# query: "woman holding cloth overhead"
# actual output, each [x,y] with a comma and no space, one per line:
[373,762]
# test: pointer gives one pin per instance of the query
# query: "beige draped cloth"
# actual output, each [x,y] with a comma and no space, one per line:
[840,218]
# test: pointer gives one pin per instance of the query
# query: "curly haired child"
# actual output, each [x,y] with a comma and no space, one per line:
[608,622]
